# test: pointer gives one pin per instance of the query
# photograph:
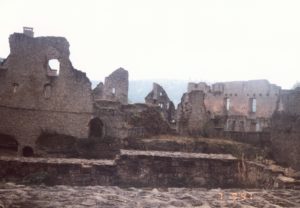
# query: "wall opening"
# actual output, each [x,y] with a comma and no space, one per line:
[54,67]
[227,104]
[96,128]
[113,91]
[27,151]
[252,105]
[47,90]
[8,145]
[15,87]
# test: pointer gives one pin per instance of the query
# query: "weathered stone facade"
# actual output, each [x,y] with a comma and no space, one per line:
[159,97]
[285,129]
[115,87]
[35,98]
[240,106]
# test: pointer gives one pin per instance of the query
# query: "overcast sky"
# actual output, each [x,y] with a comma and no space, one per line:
[205,40]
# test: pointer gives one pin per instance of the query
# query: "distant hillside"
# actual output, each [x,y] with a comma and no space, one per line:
[138,89]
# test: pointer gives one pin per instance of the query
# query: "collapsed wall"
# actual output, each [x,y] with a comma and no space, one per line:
[38,96]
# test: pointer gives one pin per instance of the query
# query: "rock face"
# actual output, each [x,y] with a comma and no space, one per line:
[115,87]
[159,97]
[285,130]
[37,97]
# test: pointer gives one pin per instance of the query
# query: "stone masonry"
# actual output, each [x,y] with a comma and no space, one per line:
[36,98]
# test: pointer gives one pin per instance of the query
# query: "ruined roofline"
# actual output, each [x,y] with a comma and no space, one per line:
[233,82]
[19,42]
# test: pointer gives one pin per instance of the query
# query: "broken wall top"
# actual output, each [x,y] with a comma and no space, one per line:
[28,84]
[157,94]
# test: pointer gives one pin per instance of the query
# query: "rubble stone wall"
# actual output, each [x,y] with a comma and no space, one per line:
[139,169]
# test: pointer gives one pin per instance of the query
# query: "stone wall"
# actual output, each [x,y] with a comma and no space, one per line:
[191,114]
[34,97]
[140,169]
[58,171]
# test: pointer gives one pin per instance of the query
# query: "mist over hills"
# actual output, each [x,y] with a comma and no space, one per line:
[139,89]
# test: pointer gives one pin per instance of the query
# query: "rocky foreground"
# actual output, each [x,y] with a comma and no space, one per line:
[13,196]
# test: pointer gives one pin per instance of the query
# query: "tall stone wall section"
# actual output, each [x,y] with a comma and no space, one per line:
[191,114]
[115,87]
[285,130]
[35,98]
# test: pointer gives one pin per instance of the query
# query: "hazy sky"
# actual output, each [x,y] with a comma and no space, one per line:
[206,40]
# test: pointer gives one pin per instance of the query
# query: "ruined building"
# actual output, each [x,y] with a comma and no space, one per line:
[119,119]
[240,106]
[159,97]
[115,87]
[36,98]
[45,102]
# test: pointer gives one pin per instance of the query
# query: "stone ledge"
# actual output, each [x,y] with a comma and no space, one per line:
[178,154]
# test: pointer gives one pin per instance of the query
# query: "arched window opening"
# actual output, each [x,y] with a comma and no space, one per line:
[113,91]
[27,151]
[96,128]
[54,67]
[227,104]
[47,91]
